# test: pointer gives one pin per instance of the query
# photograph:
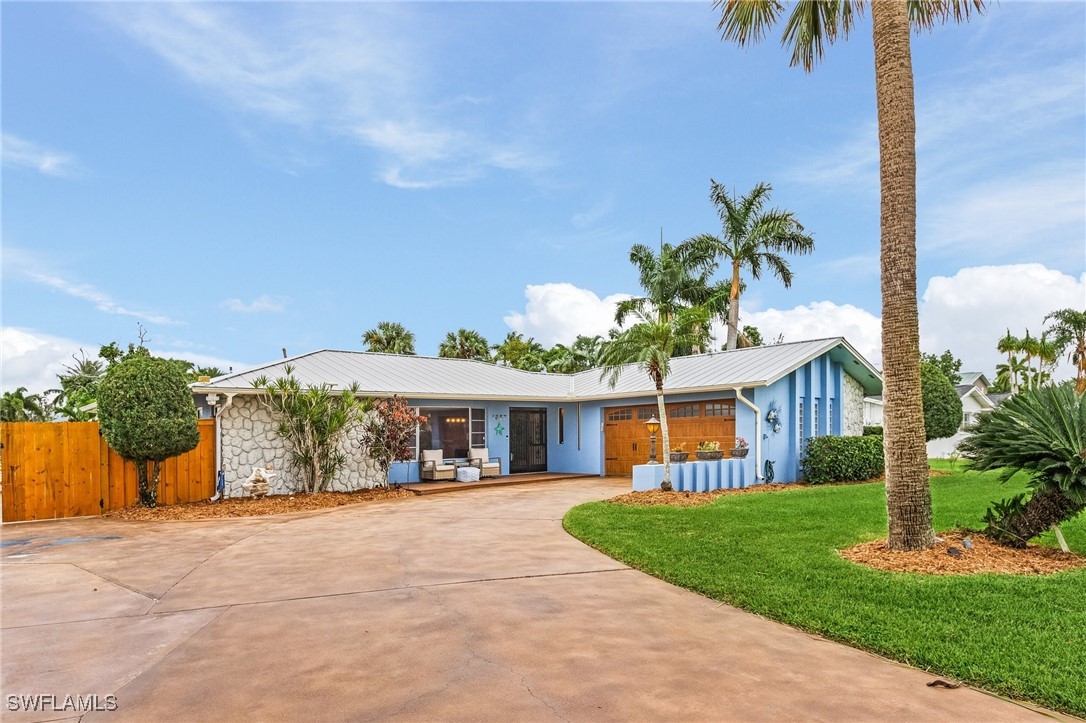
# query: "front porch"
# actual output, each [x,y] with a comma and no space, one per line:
[433,488]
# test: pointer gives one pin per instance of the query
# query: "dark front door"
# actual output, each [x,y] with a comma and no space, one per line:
[527,440]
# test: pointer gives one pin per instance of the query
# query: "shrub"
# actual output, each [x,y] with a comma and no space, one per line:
[312,421]
[842,459]
[942,405]
[873,430]
[390,435]
[147,414]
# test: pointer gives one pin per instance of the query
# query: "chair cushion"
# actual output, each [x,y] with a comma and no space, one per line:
[431,455]
[479,453]
[444,468]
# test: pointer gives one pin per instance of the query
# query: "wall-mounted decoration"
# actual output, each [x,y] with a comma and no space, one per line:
[773,418]
[499,429]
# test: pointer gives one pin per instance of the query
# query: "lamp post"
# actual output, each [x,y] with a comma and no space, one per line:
[653,425]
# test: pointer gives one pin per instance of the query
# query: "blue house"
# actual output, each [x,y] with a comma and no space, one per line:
[775,397]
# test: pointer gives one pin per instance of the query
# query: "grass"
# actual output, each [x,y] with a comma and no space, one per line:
[1020,636]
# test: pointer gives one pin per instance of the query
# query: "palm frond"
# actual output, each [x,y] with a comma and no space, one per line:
[746,21]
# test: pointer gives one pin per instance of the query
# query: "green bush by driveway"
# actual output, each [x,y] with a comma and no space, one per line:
[775,554]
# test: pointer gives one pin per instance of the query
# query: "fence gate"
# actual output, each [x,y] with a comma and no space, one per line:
[65,469]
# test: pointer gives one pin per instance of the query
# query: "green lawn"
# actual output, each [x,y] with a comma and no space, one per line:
[1022,636]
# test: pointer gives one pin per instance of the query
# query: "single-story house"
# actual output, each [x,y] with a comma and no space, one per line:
[972,390]
[572,423]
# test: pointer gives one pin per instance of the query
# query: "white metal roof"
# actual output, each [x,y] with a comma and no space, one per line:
[435,377]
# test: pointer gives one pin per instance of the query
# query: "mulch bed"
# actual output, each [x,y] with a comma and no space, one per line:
[649,498]
[249,507]
[985,557]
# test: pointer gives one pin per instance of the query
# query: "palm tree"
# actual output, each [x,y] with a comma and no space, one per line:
[580,356]
[1011,345]
[520,353]
[753,238]
[1068,334]
[1007,375]
[18,406]
[465,344]
[650,344]
[908,491]
[389,337]
[677,277]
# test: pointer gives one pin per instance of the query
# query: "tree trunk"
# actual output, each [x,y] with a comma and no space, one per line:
[908,493]
[1047,507]
[147,488]
[665,438]
[733,308]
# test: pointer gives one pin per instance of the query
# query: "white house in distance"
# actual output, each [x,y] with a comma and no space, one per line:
[973,391]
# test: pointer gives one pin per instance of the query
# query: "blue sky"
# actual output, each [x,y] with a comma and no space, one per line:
[243,177]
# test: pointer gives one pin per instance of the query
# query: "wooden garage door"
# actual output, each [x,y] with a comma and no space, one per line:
[626,442]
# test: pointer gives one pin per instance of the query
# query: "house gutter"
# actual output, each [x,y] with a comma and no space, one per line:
[757,432]
[219,491]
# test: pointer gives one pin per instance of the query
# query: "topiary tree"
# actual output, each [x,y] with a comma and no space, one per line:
[389,435]
[942,405]
[147,415]
[1043,432]
[312,421]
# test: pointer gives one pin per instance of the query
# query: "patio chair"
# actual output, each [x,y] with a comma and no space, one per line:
[432,466]
[488,466]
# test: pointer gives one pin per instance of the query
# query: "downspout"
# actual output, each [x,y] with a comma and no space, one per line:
[219,487]
[757,432]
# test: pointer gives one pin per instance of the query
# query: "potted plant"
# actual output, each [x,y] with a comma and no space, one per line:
[679,454]
[741,448]
[709,451]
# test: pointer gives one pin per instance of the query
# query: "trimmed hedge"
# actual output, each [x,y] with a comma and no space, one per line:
[842,459]
[874,430]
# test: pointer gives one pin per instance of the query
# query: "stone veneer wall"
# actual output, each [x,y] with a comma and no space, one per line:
[852,414]
[249,440]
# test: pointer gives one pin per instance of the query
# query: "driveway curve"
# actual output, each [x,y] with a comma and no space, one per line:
[467,606]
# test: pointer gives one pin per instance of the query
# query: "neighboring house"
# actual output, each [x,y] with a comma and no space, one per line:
[536,422]
[973,391]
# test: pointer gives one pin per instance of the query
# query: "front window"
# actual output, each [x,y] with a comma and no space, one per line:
[453,430]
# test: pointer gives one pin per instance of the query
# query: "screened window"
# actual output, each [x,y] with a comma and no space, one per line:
[684,410]
[452,430]
[478,427]
[620,415]
[720,409]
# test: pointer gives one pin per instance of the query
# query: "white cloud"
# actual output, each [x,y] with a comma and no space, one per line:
[22,153]
[32,359]
[968,312]
[820,320]
[345,69]
[559,312]
[260,303]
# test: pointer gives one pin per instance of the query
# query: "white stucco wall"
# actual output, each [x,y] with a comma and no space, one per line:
[249,440]
[852,413]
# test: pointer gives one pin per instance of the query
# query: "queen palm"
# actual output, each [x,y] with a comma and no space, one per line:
[751,237]
[465,344]
[1068,334]
[18,406]
[389,337]
[582,355]
[1011,345]
[650,344]
[1007,374]
[908,491]
[676,277]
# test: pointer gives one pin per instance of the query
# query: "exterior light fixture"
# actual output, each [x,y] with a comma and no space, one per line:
[653,425]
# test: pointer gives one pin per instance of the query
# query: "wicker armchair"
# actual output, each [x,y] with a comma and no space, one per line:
[488,466]
[432,466]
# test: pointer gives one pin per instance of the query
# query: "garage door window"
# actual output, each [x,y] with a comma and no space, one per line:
[684,410]
[720,409]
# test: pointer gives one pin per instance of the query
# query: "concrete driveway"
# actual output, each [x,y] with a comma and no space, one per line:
[466,606]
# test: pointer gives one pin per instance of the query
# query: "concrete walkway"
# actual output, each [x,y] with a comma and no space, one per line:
[468,606]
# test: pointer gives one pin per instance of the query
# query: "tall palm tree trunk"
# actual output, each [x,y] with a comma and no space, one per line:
[664,436]
[908,493]
[733,308]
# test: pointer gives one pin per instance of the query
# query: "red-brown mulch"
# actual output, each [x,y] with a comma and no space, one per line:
[650,498]
[249,507]
[985,557]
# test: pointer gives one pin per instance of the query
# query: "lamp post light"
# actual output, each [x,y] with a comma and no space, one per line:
[653,425]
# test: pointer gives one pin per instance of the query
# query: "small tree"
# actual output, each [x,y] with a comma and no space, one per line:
[942,405]
[147,414]
[389,435]
[312,421]
[1042,432]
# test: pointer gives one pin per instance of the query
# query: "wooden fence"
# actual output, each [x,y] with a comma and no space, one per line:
[66,469]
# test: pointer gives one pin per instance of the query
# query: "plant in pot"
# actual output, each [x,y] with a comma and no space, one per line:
[679,453]
[741,448]
[709,451]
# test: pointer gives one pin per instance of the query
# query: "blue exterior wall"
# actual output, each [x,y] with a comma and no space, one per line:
[820,380]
